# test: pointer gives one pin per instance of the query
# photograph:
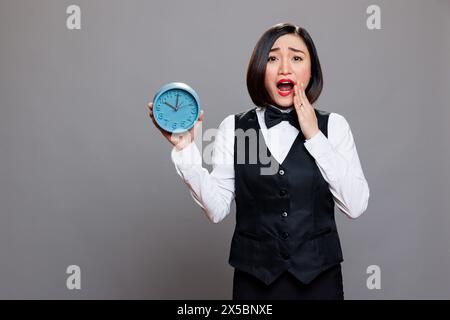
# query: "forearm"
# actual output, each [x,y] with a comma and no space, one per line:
[214,191]
[343,174]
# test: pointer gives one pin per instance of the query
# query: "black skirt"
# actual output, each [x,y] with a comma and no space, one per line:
[327,286]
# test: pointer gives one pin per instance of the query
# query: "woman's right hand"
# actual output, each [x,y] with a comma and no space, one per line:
[179,140]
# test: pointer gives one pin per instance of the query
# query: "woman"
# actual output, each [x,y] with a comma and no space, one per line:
[285,244]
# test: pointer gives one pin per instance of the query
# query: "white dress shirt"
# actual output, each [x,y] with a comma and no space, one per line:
[335,156]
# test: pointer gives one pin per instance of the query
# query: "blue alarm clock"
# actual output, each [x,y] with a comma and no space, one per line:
[176,107]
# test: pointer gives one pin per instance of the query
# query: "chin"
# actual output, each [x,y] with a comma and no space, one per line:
[284,103]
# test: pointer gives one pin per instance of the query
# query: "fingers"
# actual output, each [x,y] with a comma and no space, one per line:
[301,96]
[298,93]
[305,100]
[298,100]
[305,105]
[199,121]
[150,112]
[150,109]
[197,124]
[303,91]
[200,117]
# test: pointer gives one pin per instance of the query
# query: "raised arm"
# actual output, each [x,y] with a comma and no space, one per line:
[214,191]
[338,161]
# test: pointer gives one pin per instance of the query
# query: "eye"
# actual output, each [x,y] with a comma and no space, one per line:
[271,58]
[299,58]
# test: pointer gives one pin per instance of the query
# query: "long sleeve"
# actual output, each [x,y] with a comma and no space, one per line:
[214,191]
[338,161]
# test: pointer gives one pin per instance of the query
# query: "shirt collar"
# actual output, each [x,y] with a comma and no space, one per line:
[281,109]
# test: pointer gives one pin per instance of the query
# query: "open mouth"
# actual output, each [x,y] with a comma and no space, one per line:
[285,87]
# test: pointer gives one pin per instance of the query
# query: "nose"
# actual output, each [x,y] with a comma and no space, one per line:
[285,67]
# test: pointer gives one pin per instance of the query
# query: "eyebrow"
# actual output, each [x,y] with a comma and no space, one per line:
[292,49]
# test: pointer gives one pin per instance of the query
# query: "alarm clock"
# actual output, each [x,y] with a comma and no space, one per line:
[176,107]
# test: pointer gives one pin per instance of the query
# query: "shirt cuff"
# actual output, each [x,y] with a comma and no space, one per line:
[187,157]
[318,146]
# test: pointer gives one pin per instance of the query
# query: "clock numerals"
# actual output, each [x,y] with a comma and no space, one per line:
[176,108]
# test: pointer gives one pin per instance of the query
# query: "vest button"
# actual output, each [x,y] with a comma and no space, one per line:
[281,172]
[284,214]
[285,235]
[285,255]
[283,192]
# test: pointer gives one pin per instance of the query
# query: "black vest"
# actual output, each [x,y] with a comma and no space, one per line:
[284,221]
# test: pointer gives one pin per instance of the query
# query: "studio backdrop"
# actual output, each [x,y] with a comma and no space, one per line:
[91,206]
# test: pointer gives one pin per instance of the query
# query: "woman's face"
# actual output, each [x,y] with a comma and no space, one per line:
[289,60]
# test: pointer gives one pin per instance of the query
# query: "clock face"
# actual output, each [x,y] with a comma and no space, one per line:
[176,110]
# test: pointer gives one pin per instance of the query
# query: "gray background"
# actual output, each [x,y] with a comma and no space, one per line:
[86,179]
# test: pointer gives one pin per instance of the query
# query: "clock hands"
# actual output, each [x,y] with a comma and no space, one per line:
[176,107]
[170,105]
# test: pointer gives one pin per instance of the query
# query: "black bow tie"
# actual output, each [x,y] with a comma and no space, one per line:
[273,116]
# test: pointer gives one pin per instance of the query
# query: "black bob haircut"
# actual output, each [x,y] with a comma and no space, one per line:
[257,66]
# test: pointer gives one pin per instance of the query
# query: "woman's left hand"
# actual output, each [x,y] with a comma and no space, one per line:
[305,112]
